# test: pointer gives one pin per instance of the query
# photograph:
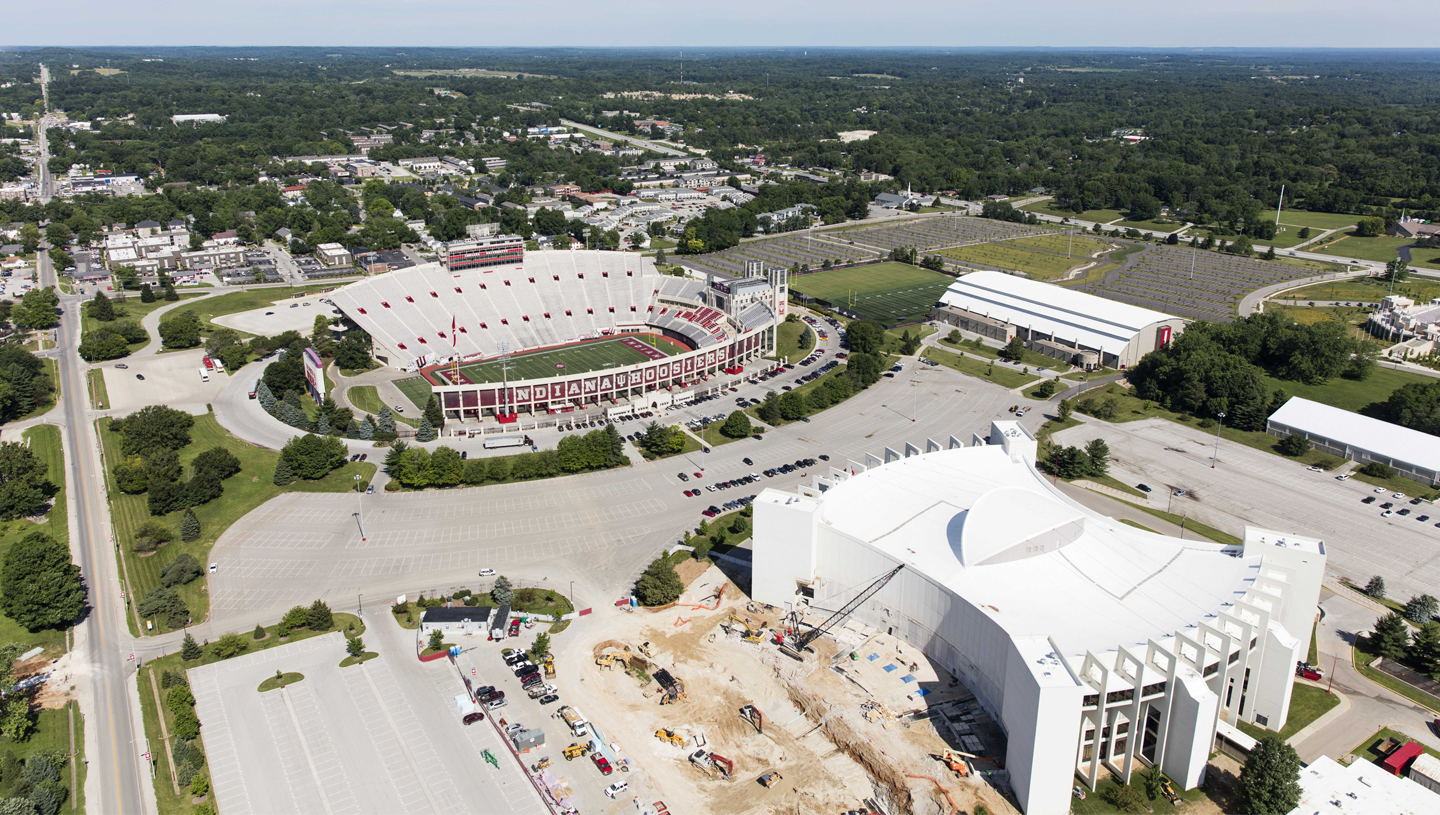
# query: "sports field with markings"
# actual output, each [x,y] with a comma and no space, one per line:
[889,292]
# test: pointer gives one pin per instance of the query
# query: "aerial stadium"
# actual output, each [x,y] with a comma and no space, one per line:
[537,333]
[1092,644]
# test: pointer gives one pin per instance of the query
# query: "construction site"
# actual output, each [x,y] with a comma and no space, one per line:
[728,706]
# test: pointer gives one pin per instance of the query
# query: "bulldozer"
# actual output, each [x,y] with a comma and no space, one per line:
[645,650]
[540,765]
[577,750]
[607,660]
[769,779]
[670,736]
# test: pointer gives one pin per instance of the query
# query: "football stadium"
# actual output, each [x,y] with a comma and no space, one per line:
[558,331]
[1095,646]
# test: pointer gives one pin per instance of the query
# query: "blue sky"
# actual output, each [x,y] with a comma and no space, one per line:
[1248,23]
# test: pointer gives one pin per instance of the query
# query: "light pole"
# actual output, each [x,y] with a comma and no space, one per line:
[704,424]
[1217,440]
[360,502]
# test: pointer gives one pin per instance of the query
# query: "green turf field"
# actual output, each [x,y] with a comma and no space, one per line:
[417,390]
[1040,258]
[889,292]
[1382,249]
[577,359]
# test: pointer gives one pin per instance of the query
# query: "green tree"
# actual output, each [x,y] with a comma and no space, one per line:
[437,639]
[319,617]
[1420,609]
[1293,445]
[434,413]
[1304,233]
[1067,407]
[1270,779]
[425,431]
[1397,270]
[446,468]
[501,592]
[865,337]
[1015,348]
[1125,798]
[1369,227]
[737,425]
[189,526]
[25,486]
[40,587]
[1376,587]
[37,310]
[1425,649]
[181,330]
[101,308]
[541,646]
[354,646]
[164,604]
[190,649]
[1097,453]
[18,720]
[152,428]
[259,632]
[147,294]
[1390,638]
[792,406]
[229,645]
[312,457]
[659,585]
[284,476]
[180,570]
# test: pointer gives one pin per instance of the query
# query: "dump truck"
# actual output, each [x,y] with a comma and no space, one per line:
[576,720]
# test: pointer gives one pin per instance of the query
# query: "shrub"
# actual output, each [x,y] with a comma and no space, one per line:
[181,570]
[229,645]
[151,535]
[1377,470]
[1293,445]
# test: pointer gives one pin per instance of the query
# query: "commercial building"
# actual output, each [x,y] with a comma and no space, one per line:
[332,255]
[466,620]
[1411,453]
[1068,325]
[1089,642]
[484,253]
[196,118]
[1361,787]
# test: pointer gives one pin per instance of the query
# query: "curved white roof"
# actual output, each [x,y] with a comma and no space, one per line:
[1061,312]
[995,532]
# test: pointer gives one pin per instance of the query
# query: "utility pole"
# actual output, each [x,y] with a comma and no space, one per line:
[360,502]
[1278,206]
[1217,439]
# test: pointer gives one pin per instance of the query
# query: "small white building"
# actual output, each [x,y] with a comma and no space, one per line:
[464,620]
[197,118]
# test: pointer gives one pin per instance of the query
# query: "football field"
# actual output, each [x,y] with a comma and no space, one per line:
[889,292]
[574,359]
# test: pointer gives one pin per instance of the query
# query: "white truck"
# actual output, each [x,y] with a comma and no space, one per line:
[576,720]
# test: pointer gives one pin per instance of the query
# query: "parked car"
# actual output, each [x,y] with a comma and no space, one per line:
[1142,487]
[601,763]
[617,788]
[549,699]
[487,572]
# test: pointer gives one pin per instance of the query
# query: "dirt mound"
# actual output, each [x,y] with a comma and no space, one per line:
[889,779]
[608,645]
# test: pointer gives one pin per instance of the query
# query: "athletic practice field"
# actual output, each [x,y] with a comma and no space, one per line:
[888,292]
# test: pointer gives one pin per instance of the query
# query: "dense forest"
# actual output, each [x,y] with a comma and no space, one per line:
[1344,132]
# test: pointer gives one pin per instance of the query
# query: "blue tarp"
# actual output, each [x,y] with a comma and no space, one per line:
[889,668]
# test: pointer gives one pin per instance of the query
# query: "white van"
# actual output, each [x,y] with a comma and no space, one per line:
[204,375]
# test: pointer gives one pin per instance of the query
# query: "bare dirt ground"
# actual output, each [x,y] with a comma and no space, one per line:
[58,688]
[815,734]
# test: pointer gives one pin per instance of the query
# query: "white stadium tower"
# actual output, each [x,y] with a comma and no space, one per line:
[430,316]
[1088,641]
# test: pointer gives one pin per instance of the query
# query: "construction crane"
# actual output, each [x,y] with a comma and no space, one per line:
[794,644]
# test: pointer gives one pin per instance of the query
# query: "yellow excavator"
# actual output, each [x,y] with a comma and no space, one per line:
[750,633]
[607,660]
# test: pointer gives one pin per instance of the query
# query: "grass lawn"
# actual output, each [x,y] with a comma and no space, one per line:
[1085,376]
[1135,524]
[1367,289]
[218,306]
[1382,249]
[1081,245]
[1363,659]
[367,398]
[1039,265]
[540,601]
[128,309]
[277,682]
[1349,394]
[892,338]
[1165,227]
[1192,525]
[890,292]
[52,733]
[794,341]
[714,438]
[724,522]
[975,347]
[99,396]
[43,406]
[1001,376]
[1307,703]
[1095,803]
[1317,221]
[1397,483]
[573,359]
[1367,748]
[1352,316]
[365,657]
[44,441]
[1048,207]
[1114,483]
[244,491]
[691,446]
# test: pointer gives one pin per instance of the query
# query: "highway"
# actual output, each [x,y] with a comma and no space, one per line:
[114,781]
[643,144]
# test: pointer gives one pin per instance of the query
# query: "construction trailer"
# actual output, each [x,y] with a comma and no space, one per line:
[527,740]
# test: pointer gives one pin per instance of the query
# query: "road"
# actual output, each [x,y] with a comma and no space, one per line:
[643,144]
[114,783]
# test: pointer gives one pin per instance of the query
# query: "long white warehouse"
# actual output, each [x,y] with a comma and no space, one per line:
[1089,641]
[1069,325]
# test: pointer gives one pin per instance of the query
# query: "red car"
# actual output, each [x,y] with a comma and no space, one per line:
[1306,672]
[514,628]
[601,763]
[471,718]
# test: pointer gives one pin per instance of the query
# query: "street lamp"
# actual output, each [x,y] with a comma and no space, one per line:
[1217,440]
[360,502]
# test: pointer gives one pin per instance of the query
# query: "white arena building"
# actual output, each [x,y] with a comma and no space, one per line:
[1090,642]
[1062,323]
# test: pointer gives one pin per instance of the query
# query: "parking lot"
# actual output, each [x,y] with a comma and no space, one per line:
[176,375]
[580,775]
[382,737]
[285,315]
[1248,486]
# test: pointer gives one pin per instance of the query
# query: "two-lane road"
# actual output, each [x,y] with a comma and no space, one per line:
[102,642]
